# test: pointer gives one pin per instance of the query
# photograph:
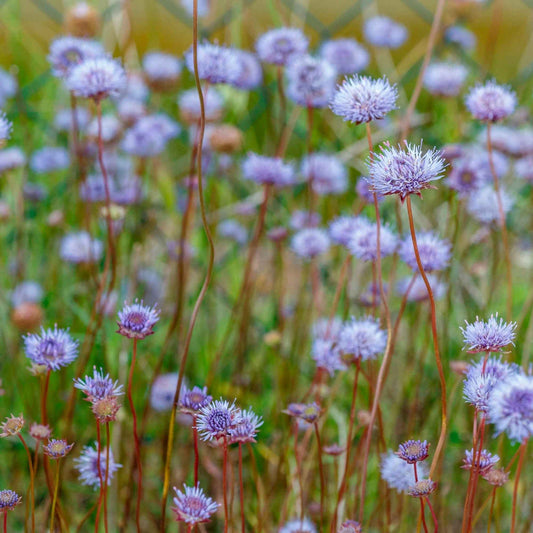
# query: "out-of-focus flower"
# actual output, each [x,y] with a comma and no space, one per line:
[483,204]
[162,71]
[87,466]
[267,170]
[397,473]
[67,52]
[361,339]
[189,105]
[325,172]
[79,247]
[490,102]
[49,159]
[216,64]
[384,32]
[445,79]
[310,242]
[279,46]
[346,56]
[434,252]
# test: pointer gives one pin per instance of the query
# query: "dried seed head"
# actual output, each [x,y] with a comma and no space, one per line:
[106,409]
[40,431]
[27,316]
[82,20]
[225,138]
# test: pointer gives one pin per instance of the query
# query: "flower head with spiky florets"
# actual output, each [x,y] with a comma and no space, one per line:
[413,451]
[52,348]
[361,339]
[87,466]
[488,336]
[5,129]
[136,320]
[325,172]
[422,488]
[346,56]
[363,243]
[350,526]
[308,412]
[327,355]
[57,448]
[343,228]
[192,506]
[246,428]
[384,32]
[251,75]
[497,477]
[482,461]
[105,409]
[434,252]
[404,170]
[397,473]
[9,499]
[217,419]
[79,247]
[67,52]
[192,401]
[267,170]
[298,526]
[490,102]
[279,46]
[97,78]
[510,407]
[40,431]
[98,386]
[216,64]
[11,426]
[445,79]
[483,204]
[362,99]
[310,242]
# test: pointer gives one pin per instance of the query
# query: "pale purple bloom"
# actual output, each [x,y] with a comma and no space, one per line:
[310,242]
[481,461]
[364,190]
[384,32]
[343,228]
[216,64]
[460,36]
[136,87]
[163,391]
[49,159]
[130,110]
[327,355]
[231,229]
[445,79]
[267,170]
[302,218]
[136,320]
[246,428]
[161,68]
[98,386]
[483,204]
[192,506]
[413,451]
[80,247]
[279,46]
[469,172]
[8,86]
[251,75]
[189,103]
[9,499]
[490,102]
[111,128]
[434,252]
[87,466]
[143,140]
[63,119]
[298,526]
[11,158]
[326,173]
[67,52]
[27,291]
[363,243]
[523,168]
[217,419]
[488,336]
[397,473]
[346,56]
[361,339]
[52,348]
[326,329]
[123,190]
[194,400]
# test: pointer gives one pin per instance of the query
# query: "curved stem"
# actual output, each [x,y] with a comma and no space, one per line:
[433,515]
[523,447]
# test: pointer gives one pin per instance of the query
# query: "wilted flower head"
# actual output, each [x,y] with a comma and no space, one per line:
[445,79]
[87,466]
[67,52]
[488,336]
[310,242]
[136,320]
[52,348]
[497,477]
[98,386]
[246,428]
[483,204]
[193,506]
[251,75]
[298,526]
[57,448]
[384,32]
[362,99]
[434,252]
[49,159]
[309,412]
[161,70]
[413,451]
[267,170]
[40,431]
[397,473]
[480,461]
[326,173]
[346,56]
[490,102]
[11,158]
[217,419]
[9,499]
[361,339]
[11,426]
[79,247]
[363,243]
[97,78]
[280,45]
[422,488]
[216,64]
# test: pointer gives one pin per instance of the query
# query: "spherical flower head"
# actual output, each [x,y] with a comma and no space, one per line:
[97,78]
[434,252]
[490,102]
[303,218]
[422,488]
[57,448]
[342,229]
[327,356]
[279,46]
[350,526]
[267,170]
[326,173]
[11,426]
[497,477]
[67,52]
[461,37]
[5,129]
[482,461]
[413,451]
[346,56]
[192,506]
[363,243]
[87,466]
[26,292]
[523,168]
[105,409]
[488,336]
[510,407]
[445,79]
[161,70]
[192,401]
[216,64]
[251,75]
[384,32]
[310,242]
[483,204]
[49,159]
[361,339]
[9,499]
[52,348]
[40,431]
[98,386]
[189,105]
[217,419]
[308,412]
[231,229]
[142,140]
[327,329]
[397,473]
[362,99]
[470,172]
[311,81]
[136,320]
[79,247]
[404,170]
[298,526]
[11,158]
[111,131]
[246,428]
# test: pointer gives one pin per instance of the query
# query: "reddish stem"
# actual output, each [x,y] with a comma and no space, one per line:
[241,490]
[44,417]
[323,485]
[224,484]
[107,445]
[523,447]
[433,515]
[100,477]
[32,479]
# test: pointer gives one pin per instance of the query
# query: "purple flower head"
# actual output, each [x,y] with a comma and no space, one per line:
[79,247]
[445,79]
[480,461]
[251,75]
[417,289]
[130,110]
[468,173]
[509,140]
[11,158]
[311,81]
[246,428]
[267,170]
[49,159]
[483,204]
[98,386]
[161,70]
[111,128]
[136,320]
[326,173]
[301,219]
[404,170]
[25,292]
[8,86]
[57,448]
[192,401]
[523,168]
[193,506]
[326,329]
[327,355]
[216,64]
[490,102]
[422,488]
[363,243]
[144,139]
[364,190]
[298,526]
[11,426]
[52,348]
[163,391]
[279,46]
[97,78]
[9,499]
[343,228]
[310,242]
[203,7]
[510,407]
[231,229]
[189,105]
[5,128]
[350,526]
[384,32]
[460,36]
[67,52]
[413,451]
[87,466]
[434,252]
[308,412]
[346,56]
[362,99]
[361,339]
[63,119]
[397,473]
[488,336]
[217,419]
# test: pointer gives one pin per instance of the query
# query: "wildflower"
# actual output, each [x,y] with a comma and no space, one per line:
[189,105]
[8,86]
[193,506]
[67,52]
[53,348]
[422,488]
[523,168]
[5,129]
[267,170]
[361,339]
[105,409]
[225,138]
[49,159]
[11,158]
[460,36]
[26,292]
[445,79]
[490,102]
[163,391]
[203,7]
[397,473]
[12,426]
[483,204]
[231,229]
[8,500]
[413,451]
[40,431]
[327,355]
[136,320]
[142,140]
[57,448]
[246,428]
[346,56]
[303,218]
[130,110]
[310,242]
[350,526]
[343,228]
[98,386]
[384,32]
[192,401]
[364,242]
[79,247]
[364,190]
[87,466]
[434,253]
[216,64]
[251,73]
[404,171]
[325,172]
[309,412]
[327,329]
[298,526]
[482,462]
[497,477]
[362,99]
[488,336]
[280,45]
[162,71]
[471,171]
[110,132]
[217,419]
[97,78]
[82,20]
